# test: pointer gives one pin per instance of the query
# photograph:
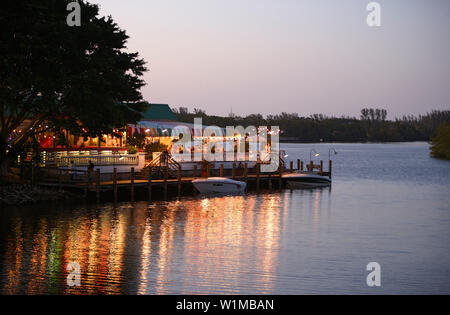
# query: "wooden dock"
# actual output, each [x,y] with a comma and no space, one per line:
[167,183]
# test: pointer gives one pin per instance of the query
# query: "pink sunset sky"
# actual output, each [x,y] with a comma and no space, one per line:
[273,56]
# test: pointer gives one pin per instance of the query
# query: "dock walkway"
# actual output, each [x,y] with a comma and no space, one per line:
[89,182]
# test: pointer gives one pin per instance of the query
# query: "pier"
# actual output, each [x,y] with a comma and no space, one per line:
[161,181]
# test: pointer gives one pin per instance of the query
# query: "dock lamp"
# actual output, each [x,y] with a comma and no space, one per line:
[311,153]
[329,153]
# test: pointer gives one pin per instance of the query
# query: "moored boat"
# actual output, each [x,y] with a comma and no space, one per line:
[218,185]
[306,180]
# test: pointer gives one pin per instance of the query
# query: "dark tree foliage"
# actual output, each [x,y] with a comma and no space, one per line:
[136,140]
[76,78]
[371,127]
[440,143]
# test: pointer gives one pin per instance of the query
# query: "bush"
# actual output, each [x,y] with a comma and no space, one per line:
[137,140]
[132,149]
[440,144]
[155,147]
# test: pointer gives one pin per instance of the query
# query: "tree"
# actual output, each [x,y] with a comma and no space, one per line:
[440,144]
[55,76]
[199,113]
[383,114]
[183,111]
[372,114]
[365,114]
[137,140]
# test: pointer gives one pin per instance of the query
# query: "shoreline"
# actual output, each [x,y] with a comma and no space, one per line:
[14,194]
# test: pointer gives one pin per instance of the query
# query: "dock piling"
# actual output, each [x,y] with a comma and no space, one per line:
[97,186]
[330,167]
[166,175]
[280,172]
[179,180]
[258,169]
[132,184]
[149,185]
[86,188]
[246,173]
[115,184]
[59,180]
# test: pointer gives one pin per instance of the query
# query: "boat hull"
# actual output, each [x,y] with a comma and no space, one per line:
[218,186]
[304,180]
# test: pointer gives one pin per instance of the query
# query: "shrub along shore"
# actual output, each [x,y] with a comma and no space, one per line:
[21,194]
[440,144]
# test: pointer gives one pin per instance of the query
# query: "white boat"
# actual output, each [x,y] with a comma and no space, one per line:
[306,180]
[218,185]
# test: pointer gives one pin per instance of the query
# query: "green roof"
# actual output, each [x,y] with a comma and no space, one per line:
[159,112]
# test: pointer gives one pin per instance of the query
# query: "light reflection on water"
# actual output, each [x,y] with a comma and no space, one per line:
[146,248]
[285,242]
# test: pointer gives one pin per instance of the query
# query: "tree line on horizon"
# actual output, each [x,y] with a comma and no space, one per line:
[371,126]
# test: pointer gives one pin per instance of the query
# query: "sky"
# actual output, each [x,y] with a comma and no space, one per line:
[302,56]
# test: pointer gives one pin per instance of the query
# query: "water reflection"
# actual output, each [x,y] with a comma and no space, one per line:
[289,242]
[173,247]
[145,256]
[37,261]
[13,258]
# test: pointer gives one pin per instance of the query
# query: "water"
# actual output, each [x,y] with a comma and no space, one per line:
[389,203]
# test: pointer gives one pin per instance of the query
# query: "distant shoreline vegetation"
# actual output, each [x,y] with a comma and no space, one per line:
[371,126]
[440,143]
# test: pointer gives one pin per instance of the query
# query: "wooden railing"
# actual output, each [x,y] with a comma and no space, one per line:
[156,167]
[97,160]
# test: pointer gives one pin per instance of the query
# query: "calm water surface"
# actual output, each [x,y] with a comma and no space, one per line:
[389,203]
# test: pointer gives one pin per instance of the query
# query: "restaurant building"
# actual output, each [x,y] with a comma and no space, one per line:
[113,150]
[110,150]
